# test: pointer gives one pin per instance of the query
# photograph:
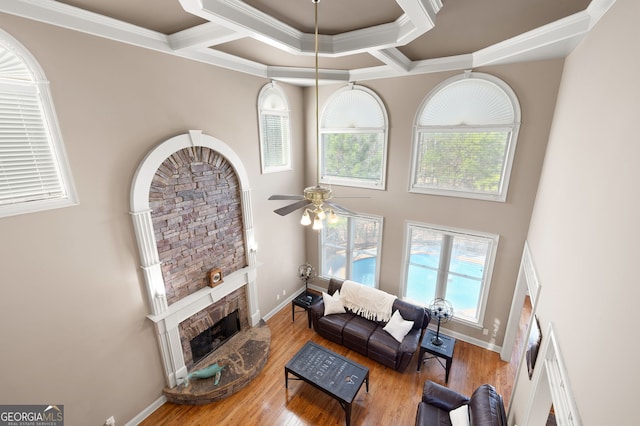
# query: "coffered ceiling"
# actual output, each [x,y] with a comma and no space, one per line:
[360,39]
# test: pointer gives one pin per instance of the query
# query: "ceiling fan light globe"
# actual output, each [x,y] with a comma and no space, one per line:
[317,224]
[321,215]
[306,219]
[333,217]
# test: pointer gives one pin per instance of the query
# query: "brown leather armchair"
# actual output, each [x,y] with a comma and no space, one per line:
[486,407]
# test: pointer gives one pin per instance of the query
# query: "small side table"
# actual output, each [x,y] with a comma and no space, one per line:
[304,300]
[444,351]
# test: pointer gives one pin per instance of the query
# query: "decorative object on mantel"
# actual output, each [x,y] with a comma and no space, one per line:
[442,311]
[215,277]
[307,274]
[213,370]
[316,200]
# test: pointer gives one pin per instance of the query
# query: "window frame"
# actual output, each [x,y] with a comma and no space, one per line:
[38,85]
[493,240]
[508,155]
[354,181]
[284,130]
[350,246]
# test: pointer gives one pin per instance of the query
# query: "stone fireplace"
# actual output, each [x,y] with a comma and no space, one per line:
[191,210]
[207,330]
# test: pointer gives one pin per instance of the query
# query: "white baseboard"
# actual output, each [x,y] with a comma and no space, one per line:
[147,412]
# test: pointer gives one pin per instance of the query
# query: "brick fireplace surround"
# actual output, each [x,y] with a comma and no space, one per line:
[191,211]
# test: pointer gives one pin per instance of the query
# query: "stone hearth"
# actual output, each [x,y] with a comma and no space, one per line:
[243,356]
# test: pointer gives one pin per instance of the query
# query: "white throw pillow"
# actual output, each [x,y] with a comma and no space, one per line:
[397,326]
[333,304]
[460,416]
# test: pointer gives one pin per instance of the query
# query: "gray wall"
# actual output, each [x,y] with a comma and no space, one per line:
[584,231]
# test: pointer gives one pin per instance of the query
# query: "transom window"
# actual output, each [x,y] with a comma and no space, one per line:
[275,131]
[353,134]
[451,264]
[34,174]
[350,248]
[465,138]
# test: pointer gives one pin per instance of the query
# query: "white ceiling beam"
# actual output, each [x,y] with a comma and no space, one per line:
[547,37]
[245,19]
[306,76]
[552,40]
[203,35]
[393,58]
[74,18]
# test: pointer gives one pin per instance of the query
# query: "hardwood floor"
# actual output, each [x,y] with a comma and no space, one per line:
[392,398]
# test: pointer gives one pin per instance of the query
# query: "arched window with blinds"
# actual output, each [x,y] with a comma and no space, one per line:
[353,135]
[465,138]
[34,174]
[275,147]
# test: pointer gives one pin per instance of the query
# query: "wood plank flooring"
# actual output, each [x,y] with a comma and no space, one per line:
[392,398]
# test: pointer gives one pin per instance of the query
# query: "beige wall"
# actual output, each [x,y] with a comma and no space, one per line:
[73,306]
[536,86]
[584,231]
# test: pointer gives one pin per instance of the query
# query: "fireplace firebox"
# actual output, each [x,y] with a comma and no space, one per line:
[213,337]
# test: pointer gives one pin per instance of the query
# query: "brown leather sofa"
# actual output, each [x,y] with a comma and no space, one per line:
[486,407]
[368,337]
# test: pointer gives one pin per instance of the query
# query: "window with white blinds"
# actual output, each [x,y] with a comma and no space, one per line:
[275,149]
[34,175]
[353,139]
[465,138]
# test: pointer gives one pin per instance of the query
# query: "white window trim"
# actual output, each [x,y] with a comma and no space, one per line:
[274,169]
[510,152]
[354,182]
[488,273]
[349,256]
[58,150]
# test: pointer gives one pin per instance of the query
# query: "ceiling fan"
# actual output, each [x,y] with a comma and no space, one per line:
[317,196]
[314,198]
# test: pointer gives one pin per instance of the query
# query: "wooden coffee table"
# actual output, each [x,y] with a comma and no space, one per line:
[333,374]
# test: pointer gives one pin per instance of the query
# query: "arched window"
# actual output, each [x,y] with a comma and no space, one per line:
[275,148]
[34,174]
[353,131]
[465,138]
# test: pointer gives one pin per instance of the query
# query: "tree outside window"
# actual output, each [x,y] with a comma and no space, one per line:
[465,138]
[353,139]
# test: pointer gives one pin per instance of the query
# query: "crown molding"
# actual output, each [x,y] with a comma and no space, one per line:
[554,40]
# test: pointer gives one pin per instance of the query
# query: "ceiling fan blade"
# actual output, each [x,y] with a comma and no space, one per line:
[339,208]
[286,197]
[350,196]
[283,211]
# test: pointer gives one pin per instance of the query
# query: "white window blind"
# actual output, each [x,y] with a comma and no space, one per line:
[28,168]
[275,147]
[34,174]
[464,140]
[353,143]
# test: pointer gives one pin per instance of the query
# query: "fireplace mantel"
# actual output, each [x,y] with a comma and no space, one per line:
[167,322]
[195,302]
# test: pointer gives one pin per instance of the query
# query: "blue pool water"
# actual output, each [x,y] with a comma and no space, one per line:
[462,292]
